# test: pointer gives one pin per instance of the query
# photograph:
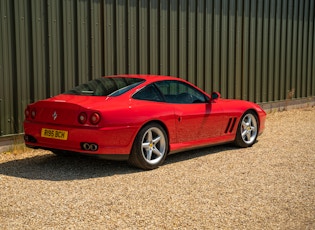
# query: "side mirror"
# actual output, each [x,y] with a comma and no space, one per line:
[215,96]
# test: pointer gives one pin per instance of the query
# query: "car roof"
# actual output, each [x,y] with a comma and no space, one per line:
[147,77]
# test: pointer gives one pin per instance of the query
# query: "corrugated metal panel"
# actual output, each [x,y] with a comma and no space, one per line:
[283,44]
[200,46]
[311,50]
[208,47]
[82,40]
[133,44]
[7,56]
[164,38]
[231,49]
[310,57]
[260,50]
[143,36]
[109,38]
[22,79]
[174,37]
[238,49]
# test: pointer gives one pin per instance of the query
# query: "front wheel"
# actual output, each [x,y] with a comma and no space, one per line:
[150,147]
[247,130]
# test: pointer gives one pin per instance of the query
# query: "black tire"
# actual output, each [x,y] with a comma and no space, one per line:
[247,130]
[150,147]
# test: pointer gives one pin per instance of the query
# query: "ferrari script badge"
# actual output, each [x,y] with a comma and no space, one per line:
[54,115]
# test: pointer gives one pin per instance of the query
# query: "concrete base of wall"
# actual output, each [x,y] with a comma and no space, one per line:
[10,143]
[288,104]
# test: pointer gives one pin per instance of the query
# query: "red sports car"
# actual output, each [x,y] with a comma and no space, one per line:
[139,118]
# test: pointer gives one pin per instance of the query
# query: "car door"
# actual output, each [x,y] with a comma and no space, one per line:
[197,119]
[198,122]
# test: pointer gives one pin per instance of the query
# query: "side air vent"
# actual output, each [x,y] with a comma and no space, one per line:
[230,126]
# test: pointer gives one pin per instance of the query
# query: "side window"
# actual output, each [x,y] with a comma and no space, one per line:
[180,92]
[148,93]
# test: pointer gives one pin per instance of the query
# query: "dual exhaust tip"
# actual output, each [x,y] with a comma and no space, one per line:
[89,146]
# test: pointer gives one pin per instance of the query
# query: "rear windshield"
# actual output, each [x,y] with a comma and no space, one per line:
[106,86]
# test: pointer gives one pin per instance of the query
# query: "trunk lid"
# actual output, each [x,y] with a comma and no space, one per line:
[65,109]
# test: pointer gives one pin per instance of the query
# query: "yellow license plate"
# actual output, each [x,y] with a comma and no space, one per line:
[55,134]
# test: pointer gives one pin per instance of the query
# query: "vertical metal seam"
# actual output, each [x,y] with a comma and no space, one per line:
[255,99]
[242,51]
[277,95]
[195,43]
[227,51]
[127,68]
[138,37]
[268,62]
[89,37]
[220,46]
[168,37]
[302,50]
[14,116]
[102,25]
[285,50]
[187,39]
[262,51]
[178,35]
[61,54]
[47,61]
[149,38]
[114,15]
[159,37]
[297,40]
[313,57]
[31,52]
[293,44]
[274,54]
[306,27]
[204,44]
[76,52]
[235,48]
[249,77]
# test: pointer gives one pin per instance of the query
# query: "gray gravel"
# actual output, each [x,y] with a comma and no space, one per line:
[268,186]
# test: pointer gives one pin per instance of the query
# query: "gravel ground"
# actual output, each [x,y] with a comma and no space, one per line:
[268,186]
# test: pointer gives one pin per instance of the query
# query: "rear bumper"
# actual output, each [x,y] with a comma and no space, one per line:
[113,157]
[115,142]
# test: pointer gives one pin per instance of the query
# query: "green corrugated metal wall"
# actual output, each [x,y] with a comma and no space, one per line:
[257,50]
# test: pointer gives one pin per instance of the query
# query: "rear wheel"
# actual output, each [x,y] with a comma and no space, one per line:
[247,130]
[150,147]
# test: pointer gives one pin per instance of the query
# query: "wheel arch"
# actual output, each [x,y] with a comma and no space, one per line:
[162,124]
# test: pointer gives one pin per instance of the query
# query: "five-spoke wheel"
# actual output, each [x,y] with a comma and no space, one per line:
[247,130]
[150,147]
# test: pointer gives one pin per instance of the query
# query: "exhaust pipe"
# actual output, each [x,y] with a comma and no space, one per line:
[93,147]
[89,146]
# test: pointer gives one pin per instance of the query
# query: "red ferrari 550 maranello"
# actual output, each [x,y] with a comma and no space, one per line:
[139,118]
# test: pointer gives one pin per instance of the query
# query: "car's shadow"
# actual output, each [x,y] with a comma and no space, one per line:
[58,168]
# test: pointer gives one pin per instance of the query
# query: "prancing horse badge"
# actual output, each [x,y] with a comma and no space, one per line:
[55,115]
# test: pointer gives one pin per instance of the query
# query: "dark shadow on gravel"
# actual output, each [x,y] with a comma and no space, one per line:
[59,168]
[187,155]
[64,168]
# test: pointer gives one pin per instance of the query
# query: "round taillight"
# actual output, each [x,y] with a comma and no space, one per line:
[33,113]
[95,118]
[27,113]
[82,118]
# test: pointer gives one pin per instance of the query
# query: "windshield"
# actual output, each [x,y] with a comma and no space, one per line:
[106,86]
